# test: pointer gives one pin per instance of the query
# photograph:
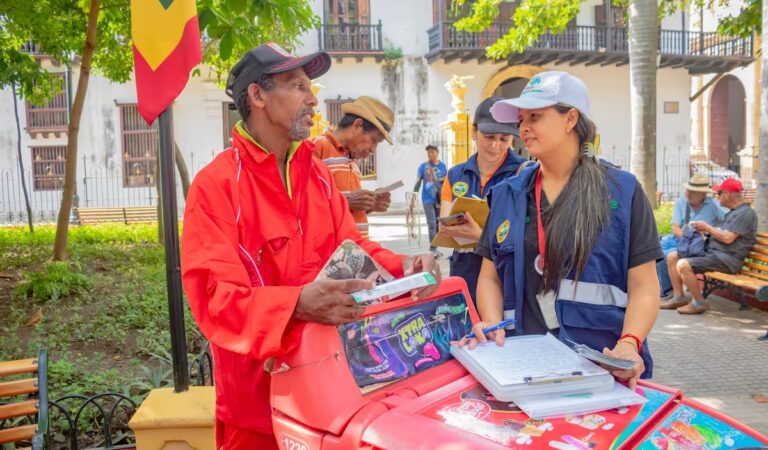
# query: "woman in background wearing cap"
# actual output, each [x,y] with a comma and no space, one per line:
[492,163]
[570,244]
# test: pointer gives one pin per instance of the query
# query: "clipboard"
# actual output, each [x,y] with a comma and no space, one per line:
[532,366]
[477,207]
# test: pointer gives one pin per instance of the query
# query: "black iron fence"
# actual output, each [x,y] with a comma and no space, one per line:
[97,188]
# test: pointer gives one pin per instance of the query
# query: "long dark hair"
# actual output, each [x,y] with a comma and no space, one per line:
[579,213]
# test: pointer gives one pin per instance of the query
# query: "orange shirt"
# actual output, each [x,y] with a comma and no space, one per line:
[344,171]
[446,194]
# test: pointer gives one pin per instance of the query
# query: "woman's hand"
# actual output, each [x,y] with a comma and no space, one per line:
[482,338]
[627,350]
[468,230]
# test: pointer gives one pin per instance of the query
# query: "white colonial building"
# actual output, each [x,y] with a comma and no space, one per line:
[404,52]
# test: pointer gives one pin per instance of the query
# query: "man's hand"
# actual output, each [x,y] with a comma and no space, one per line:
[701,226]
[422,263]
[361,200]
[329,302]
[381,202]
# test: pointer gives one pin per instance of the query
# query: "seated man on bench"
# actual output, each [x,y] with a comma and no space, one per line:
[727,247]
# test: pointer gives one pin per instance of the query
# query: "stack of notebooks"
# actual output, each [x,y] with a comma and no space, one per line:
[544,377]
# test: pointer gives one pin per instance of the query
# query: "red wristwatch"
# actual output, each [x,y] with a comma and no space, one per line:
[637,340]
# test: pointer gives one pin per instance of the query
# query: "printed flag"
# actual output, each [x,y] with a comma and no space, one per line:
[166,46]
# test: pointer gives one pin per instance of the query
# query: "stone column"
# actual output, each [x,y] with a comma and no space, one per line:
[320,125]
[459,123]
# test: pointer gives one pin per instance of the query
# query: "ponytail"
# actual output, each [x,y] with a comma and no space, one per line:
[579,213]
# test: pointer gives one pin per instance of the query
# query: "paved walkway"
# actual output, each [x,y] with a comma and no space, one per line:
[714,358]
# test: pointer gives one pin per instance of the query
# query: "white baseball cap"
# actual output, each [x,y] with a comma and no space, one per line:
[545,89]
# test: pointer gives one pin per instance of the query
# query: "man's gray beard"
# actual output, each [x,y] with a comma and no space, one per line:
[297,132]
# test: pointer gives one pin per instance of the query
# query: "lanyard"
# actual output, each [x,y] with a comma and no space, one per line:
[540,225]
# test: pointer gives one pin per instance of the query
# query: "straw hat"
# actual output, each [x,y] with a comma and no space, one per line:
[373,111]
[698,183]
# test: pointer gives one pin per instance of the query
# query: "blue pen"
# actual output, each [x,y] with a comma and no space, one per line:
[498,326]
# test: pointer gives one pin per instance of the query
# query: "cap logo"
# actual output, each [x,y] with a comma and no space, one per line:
[279,50]
[532,86]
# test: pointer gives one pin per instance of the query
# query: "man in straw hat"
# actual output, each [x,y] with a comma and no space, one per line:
[260,222]
[698,206]
[727,247]
[365,124]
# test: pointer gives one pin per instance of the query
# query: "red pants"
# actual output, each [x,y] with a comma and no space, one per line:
[231,438]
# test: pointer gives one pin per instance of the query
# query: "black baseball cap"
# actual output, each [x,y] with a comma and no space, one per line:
[271,59]
[485,122]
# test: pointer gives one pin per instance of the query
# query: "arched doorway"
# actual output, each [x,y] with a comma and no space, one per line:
[727,122]
[511,87]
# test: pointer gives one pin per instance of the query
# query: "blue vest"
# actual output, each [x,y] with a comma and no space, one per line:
[464,178]
[592,311]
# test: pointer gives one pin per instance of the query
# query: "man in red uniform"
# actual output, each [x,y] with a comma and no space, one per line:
[365,124]
[260,222]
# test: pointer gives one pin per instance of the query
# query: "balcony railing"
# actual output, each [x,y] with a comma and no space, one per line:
[351,38]
[595,39]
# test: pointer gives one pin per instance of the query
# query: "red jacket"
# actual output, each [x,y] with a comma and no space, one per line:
[247,250]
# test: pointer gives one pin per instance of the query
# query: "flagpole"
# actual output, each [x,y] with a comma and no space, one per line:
[172,260]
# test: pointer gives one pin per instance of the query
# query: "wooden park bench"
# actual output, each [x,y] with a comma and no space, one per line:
[752,278]
[126,215]
[24,401]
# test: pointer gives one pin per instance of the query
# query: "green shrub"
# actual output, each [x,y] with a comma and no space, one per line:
[53,282]
[663,215]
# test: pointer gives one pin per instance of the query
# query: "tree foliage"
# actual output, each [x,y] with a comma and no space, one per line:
[232,27]
[533,18]
[57,27]
[746,22]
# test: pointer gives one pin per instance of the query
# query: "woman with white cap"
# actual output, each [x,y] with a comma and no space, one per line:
[570,244]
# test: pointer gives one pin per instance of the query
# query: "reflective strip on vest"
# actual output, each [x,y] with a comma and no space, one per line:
[592,293]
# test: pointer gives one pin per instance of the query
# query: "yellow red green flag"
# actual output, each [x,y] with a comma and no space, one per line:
[166,46]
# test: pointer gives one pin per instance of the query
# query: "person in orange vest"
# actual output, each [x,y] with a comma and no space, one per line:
[365,124]
[260,222]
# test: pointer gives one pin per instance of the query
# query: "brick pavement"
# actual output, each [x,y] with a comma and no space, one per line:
[714,358]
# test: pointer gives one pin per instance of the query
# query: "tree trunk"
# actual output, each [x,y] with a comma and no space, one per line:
[643,50]
[181,165]
[70,174]
[761,205]
[21,161]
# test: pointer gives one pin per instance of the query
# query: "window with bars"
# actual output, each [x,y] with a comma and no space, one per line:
[333,114]
[229,117]
[140,144]
[53,116]
[48,167]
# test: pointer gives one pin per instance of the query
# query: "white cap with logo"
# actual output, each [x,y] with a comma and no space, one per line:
[545,89]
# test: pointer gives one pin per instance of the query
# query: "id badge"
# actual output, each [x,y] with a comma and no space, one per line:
[546,302]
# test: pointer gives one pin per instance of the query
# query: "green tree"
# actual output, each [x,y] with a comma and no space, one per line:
[95,35]
[745,23]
